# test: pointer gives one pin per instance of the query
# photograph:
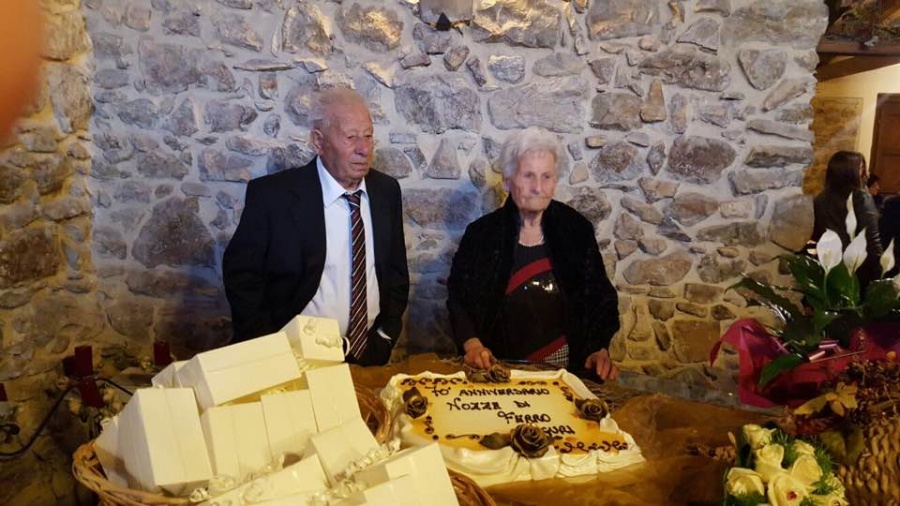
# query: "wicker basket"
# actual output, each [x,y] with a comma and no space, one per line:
[87,470]
[374,413]
[468,493]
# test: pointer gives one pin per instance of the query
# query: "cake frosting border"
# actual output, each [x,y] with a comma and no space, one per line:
[490,467]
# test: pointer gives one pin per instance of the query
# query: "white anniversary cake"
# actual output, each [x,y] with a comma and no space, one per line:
[501,426]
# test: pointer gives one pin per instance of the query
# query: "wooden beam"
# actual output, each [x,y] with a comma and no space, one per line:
[854,65]
[855,48]
[890,9]
[825,59]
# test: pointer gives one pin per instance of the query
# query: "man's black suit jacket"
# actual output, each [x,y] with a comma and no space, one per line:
[274,262]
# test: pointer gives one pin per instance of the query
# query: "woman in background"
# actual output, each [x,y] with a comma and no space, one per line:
[873,185]
[845,176]
[528,281]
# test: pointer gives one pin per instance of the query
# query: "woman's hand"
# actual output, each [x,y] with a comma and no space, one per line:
[600,363]
[477,355]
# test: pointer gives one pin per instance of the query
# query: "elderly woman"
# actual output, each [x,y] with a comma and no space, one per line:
[846,175]
[528,281]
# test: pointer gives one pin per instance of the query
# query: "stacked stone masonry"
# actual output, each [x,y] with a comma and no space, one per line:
[126,180]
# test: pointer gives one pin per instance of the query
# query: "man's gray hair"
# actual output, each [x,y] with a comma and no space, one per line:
[322,101]
[530,140]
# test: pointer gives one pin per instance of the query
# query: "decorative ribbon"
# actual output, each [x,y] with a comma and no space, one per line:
[330,341]
[825,346]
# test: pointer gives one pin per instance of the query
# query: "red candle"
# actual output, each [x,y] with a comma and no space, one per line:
[161,355]
[69,366]
[90,394]
[84,361]
[3,397]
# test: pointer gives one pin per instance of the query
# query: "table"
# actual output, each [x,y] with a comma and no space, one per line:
[663,425]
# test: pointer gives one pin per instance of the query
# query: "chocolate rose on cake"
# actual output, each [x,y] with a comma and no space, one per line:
[477,376]
[414,402]
[592,409]
[530,441]
[498,374]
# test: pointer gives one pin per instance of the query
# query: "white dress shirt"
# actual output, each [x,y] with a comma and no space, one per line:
[332,299]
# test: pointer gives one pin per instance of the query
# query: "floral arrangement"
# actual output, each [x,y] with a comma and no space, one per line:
[775,468]
[833,305]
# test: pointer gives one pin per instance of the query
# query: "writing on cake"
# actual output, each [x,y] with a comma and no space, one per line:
[540,422]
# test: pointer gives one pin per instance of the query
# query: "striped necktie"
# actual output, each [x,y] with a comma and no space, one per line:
[359,317]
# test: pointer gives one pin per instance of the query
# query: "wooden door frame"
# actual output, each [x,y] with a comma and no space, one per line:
[873,161]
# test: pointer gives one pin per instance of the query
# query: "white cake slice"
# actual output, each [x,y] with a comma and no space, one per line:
[168,377]
[425,467]
[333,396]
[107,449]
[316,340]
[398,492]
[292,485]
[161,441]
[337,448]
[242,369]
[290,421]
[237,439]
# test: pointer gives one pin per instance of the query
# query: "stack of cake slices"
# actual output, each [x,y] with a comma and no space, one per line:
[273,420]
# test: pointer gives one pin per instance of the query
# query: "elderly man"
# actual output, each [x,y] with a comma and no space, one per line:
[324,240]
[528,281]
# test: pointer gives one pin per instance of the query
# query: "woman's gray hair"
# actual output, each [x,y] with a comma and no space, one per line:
[530,140]
[322,101]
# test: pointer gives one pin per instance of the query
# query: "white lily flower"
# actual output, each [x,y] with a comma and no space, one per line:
[887,259]
[855,254]
[851,218]
[828,250]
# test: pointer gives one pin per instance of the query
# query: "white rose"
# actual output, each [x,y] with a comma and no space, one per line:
[828,500]
[785,490]
[835,484]
[768,461]
[806,469]
[804,448]
[757,436]
[742,481]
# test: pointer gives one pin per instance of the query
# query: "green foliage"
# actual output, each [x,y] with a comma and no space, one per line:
[822,487]
[841,288]
[790,456]
[881,299]
[809,279]
[823,458]
[770,298]
[778,366]
[745,500]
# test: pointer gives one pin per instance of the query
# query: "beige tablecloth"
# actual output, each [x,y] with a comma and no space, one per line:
[664,427]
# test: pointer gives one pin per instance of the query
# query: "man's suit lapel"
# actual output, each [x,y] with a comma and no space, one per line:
[308,214]
[380,209]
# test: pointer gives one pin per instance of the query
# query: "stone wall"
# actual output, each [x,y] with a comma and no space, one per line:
[687,134]
[686,125]
[47,301]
